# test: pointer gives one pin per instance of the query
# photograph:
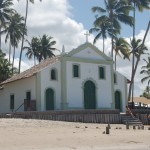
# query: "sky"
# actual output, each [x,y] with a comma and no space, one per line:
[67,21]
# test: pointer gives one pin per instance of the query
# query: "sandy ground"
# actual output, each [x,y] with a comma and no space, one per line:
[19,134]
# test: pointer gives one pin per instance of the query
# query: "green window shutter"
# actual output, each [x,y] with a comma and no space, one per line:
[28,98]
[115,78]
[11,102]
[53,74]
[101,72]
[75,71]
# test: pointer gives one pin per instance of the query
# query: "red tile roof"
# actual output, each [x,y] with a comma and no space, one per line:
[33,70]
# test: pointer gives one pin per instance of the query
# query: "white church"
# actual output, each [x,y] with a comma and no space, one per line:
[84,78]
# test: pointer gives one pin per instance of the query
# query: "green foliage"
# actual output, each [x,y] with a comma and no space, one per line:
[115,11]
[146,92]
[122,47]
[5,11]
[41,48]
[5,67]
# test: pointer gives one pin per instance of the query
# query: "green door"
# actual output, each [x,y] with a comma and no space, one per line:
[89,95]
[117,100]
[49,99]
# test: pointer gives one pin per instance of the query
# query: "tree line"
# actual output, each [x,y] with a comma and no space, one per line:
[108,24]
[13,27]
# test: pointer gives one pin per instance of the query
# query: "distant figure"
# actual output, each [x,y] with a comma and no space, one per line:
[129,111]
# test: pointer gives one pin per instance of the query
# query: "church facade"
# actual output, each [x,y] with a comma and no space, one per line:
[82,79]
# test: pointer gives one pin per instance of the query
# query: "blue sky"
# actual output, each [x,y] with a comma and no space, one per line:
[81,10]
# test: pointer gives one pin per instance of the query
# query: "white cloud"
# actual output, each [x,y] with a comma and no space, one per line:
[54,18]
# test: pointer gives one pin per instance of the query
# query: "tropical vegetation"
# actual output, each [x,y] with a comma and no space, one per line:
[40,48]
[5,67]
[115,11]
[25,22]
[146,92]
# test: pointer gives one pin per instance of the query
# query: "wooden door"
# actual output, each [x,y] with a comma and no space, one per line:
[49,99]
[89,95]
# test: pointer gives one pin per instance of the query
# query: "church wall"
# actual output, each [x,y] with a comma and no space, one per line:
[121,86]
[46,83]
[19,89]
[88,53]
[75,86]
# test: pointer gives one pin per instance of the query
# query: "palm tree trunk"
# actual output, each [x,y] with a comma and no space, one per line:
[133,57]
[23,34]
[0,38]
[112,46]
[9,50]
[137,61]
[13,61]
[13,53]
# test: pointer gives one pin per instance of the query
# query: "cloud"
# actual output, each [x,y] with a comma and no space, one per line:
[47,17]
[54,18]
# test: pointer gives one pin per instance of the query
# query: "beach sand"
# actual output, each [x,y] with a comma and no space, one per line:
[24,134]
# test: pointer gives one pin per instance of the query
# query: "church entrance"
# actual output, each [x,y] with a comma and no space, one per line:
[49,99]
[89,95]
[118,100]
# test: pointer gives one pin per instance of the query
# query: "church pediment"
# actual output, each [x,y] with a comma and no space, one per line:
[89,51]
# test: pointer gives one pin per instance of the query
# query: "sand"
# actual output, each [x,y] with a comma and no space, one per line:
[23,134]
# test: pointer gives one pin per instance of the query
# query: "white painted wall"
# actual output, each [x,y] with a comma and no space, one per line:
[88,53]
[46,83]
[75,97]
[122,87]
[19,89]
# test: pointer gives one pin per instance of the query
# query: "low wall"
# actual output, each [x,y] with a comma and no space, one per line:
[85,116]
[140,111]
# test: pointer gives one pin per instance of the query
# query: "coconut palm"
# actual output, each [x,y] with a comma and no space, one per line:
[121,47]
[5,13]
[26,15]
[33,49]
[140,5]
[146,71]
[116,11]
[46,47]
[139,49]
[14,32]
[103,28]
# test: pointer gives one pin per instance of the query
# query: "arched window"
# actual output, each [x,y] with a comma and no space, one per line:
[53,74]
[102,73]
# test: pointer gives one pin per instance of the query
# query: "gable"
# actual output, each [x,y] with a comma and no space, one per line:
[89,51]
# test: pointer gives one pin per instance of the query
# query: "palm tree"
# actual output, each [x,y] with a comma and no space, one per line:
[139,49]
[5,67]
[116,11]
[14,32]
[103,28]
[140,5]
[5,13]
[121,47]
[26,15]
[46,49]
[33,49]
[146,70]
